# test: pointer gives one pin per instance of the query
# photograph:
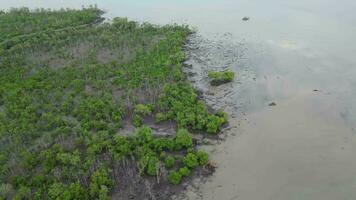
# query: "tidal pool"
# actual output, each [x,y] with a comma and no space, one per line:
[298,54]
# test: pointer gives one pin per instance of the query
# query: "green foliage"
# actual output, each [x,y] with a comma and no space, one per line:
[20,21]
[222,114]
[190,160]
[143,110]
[160,117]
[103,193]
[203,157]
[160,144]
[190,150]
[144,135]
[67,84]
[152,166]
[74,191]
[175,178]
[218,78]
[214,123]
[183,139]
[148,163]
[22,193]
[121,147]
[68,158]
[181,104]
[124,23]
[137,120]
[169,162]
[5,190]
[162,155]
[184,171]
[99,183]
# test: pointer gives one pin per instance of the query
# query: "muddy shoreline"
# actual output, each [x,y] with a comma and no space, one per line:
[202,56]
[276,146]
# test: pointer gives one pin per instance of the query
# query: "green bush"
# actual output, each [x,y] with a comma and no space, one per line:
[160,144]
[190,150]
[144,135]
[203,157]
[184,171]
[5,190]
[181,104]
[222,114]
[183,139]
[137,121]
[174,178]
[104,193]
[99,179]
[143,110]
[190,160]
[162,155]
[218,78]
[73,191]
[22,193]
[169,162]
[160,117]
[214,123]
[152,166]
[121,147]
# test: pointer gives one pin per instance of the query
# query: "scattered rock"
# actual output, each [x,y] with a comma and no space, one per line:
[210,93]
[210,166]
[221,136]
[207,141]
[316,90]
[272,104]
[190,66]
[198,138]
[245,19]
[200,92]
[192,73]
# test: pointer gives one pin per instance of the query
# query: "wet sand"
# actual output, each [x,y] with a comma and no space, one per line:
[289,151]
[301,148]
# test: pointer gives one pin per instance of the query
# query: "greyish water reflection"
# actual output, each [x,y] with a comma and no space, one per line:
[303,148]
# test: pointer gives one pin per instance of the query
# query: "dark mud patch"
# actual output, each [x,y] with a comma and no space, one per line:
[217,54]
[272,104]
[132,185]
[162,129]
[245,18]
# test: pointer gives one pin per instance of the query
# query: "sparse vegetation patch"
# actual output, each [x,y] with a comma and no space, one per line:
[218,78]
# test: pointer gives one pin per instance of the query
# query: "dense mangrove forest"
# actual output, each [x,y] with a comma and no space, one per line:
[71,83]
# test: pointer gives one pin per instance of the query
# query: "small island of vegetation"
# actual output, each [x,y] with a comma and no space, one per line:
[218,78]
